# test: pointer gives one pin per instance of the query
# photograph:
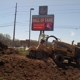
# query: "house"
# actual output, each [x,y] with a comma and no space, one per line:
[24,42]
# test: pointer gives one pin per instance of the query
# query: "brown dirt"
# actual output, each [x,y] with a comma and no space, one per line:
[14,66]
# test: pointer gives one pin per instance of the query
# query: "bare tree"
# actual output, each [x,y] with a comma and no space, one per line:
[2,38]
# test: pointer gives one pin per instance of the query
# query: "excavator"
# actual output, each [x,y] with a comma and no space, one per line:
[58,51]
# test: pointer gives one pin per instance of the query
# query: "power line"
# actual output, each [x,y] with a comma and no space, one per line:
[65,5]
[6,15]
[6,8]
[22,23]
[52,5]
[6,25]
[66,10]
[38,5]
[56,10]
[50,13]
[61,27]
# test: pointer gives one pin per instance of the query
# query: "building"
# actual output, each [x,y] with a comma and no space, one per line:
[24,42]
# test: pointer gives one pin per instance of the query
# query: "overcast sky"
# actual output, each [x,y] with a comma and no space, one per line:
[66,18]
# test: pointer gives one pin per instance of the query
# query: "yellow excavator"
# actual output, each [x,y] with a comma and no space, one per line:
[58,51]
[42,50]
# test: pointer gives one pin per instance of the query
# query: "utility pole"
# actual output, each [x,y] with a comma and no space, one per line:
[14,26]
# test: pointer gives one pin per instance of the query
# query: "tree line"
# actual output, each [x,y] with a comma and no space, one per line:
[6,39]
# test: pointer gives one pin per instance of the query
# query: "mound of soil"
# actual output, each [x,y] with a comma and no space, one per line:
[19,67]
[14,66]
[5,50]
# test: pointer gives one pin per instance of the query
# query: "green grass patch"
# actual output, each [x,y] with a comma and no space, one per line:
[1,78]
[25,52]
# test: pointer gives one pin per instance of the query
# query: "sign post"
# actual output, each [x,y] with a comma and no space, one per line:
[43,10]
[43,21]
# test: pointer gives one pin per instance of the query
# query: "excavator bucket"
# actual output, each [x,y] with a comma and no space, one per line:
[32,51]
[37,52]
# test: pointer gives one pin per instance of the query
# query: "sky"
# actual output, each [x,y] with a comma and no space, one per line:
[66,18]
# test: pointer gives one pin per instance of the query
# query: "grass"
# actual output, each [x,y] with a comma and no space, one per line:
[25,52]
[1,78]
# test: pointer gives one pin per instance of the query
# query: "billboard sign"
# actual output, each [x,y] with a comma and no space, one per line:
[43,10]
[42,22]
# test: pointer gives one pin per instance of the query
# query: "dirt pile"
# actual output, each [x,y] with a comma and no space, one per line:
[18,67]
[2,46]
[14,66]
[5,50]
